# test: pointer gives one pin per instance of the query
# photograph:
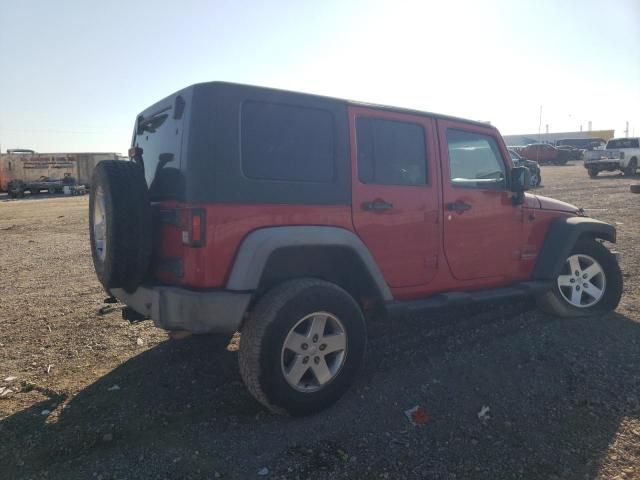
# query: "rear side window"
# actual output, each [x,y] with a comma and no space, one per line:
[391,152]
[283,142]
[623,143]
[475,161]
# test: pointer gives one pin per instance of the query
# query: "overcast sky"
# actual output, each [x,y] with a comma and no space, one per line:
[74,73]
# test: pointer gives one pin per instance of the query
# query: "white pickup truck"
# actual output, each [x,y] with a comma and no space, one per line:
[619,154]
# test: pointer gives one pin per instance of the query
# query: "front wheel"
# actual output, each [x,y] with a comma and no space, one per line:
[589,283]
[302,346]
[593,172]
[535,180]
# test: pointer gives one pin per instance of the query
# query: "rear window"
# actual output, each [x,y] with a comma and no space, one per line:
[391,152]
[287,143]
[158,132]
[623,143]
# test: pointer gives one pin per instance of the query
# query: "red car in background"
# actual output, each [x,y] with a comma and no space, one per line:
[545,153]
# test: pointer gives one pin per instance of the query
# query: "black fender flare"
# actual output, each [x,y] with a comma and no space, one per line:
[561,237]
[259,245]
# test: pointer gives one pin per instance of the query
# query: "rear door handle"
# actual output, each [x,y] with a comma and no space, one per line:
[377,205]
[458,206]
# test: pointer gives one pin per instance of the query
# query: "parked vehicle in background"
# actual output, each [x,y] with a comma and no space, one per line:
[573,153]
[620,154]
[22,168]
[582,143]
[544,153]
[293,218]
[16,188]
[516,148]
[532,166]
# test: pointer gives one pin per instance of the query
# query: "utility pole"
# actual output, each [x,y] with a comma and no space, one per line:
[540,124]
[626,130]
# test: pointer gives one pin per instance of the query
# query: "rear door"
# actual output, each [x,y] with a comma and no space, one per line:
[395,197]
[482,227]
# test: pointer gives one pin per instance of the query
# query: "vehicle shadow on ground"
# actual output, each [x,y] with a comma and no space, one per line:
[41,196]
[613,176]
[557,391]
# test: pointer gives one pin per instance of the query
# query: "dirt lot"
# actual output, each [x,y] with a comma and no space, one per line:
[124,402]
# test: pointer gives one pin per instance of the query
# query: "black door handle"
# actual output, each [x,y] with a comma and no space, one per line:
[377,205]
[458,206]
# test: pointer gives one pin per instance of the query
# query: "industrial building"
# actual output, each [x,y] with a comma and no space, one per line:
[27,165]
[552,138]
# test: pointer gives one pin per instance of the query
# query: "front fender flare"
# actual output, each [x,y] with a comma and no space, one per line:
[561,237]
[257,247]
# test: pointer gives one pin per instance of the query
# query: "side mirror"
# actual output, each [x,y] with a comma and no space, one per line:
[520,179]
[520,182]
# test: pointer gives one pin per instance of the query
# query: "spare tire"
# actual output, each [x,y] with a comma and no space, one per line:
[120,224]
[635,188]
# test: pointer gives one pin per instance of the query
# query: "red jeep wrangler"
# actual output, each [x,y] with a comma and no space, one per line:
[291,217]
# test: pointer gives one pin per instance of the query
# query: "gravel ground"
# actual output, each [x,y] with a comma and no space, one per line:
[96,397]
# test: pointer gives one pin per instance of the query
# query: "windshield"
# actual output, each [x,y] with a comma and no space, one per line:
[514,156]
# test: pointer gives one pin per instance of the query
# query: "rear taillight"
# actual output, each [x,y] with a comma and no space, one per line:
[193,226]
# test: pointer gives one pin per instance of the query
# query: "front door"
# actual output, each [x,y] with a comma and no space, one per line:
[482,227]
[395,199]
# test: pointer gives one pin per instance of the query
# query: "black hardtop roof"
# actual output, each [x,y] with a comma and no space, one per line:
[348,102]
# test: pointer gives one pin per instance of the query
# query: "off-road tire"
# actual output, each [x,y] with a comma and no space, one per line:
[632,167]
[635,188]
[554,303]
[264,333]
[128,224]
[539,179]
[593,173]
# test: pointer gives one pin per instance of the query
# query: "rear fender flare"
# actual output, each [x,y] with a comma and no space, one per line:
[561,237]
[259,245]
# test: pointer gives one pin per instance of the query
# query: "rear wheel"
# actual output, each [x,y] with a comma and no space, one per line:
[632,167]
[589,283]
[52,190]
[302,346]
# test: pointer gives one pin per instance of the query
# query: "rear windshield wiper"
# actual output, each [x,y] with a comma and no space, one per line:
[153,122]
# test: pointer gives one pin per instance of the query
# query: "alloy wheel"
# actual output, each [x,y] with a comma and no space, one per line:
[582,282]
[314,352]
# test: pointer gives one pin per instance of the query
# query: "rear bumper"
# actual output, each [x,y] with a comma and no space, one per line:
[602,164]
[174,308]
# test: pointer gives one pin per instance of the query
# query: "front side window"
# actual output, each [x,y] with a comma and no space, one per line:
[287,143]
[391,152]
[475,161]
